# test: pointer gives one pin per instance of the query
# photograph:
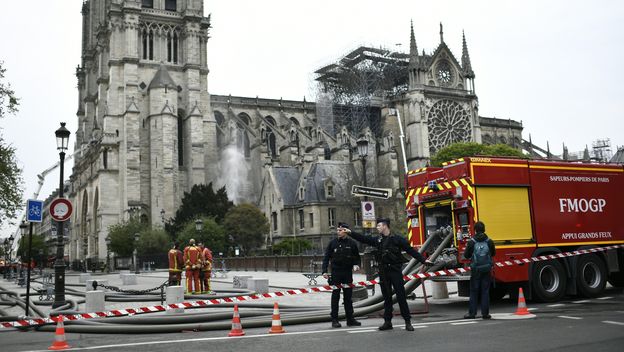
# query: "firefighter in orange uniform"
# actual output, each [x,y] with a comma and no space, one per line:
[206,268]
[193,261]
[176,263]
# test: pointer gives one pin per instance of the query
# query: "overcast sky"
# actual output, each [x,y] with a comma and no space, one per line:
[554,65]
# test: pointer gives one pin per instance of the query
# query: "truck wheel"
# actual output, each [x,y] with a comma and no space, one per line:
[591,275]
[548,281]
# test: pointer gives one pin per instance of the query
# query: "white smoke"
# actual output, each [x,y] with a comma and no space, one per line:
[233,173]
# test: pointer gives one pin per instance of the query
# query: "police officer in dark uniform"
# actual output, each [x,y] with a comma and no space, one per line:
[390,261]
[345,258]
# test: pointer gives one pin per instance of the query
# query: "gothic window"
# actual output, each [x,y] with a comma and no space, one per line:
[502,139]
[274,220]
[326,151]
[245,118]
[294,121]
[147,4]
[301,220]
[180,138]
[448,123]
[301,193]
[246,147]
[170,5]
[311,218]
[105,158]
[271,121]
[487,139]
[147,44]
[219,118]
[331,217]
[172,46]
[272,145]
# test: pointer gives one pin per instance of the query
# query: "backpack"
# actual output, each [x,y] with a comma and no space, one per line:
[481,261]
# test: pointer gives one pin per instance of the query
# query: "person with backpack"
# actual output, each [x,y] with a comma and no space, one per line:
[390,258]
[480,250]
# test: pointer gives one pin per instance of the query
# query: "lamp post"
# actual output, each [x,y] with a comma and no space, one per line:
[62,141]
[134,253]
[108,241]
[8,245]
[362,147]
[23,228]
[199,225]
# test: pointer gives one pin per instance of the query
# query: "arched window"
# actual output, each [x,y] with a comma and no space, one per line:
[245,118]
[271,144]
[105,158]
[295,121]
[327,151]
[170,5]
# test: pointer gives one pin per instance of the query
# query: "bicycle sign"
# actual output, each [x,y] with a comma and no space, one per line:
[34,210]
[60,209]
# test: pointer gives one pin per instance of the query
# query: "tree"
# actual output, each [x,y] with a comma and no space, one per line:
[122,236]
[11,183]
[461,150]
[201,201]
[152,241]
[292,246]
[38,246]
[247,225]
[212,235]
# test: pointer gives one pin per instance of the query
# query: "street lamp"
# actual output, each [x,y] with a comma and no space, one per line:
[134,253]
[8,244]
[362,147]
[199,225]
[108,241]
[62,141]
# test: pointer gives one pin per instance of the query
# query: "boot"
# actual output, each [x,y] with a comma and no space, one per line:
[353,322]
[387,325]
[408,326]
[335,323]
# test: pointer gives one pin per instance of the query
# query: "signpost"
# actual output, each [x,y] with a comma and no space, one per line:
[368,215]
[34,213]
[361,191]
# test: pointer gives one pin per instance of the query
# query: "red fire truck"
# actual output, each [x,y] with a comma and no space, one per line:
[530,208]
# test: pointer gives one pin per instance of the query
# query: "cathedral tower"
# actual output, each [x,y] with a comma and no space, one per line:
[144,115]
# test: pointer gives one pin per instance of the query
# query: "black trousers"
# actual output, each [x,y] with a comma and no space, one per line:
[480,291]
[392,277]
[342,277]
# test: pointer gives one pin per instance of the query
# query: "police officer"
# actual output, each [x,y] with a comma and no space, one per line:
[390,261]
[344,256]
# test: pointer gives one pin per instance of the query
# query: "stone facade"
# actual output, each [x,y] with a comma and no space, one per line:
[149,130]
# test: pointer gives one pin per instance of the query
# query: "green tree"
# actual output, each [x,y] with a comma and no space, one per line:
[461,150]
[11,183]
[122,236]
[38,246]
[212,235]
[152,241]
[247,225]
[200,201]
[292,246]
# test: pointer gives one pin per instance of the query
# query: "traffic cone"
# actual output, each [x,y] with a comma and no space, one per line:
[59,336]
[276,323]
[237,329]
[522,307]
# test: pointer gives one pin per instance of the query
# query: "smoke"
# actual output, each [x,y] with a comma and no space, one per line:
[233,173]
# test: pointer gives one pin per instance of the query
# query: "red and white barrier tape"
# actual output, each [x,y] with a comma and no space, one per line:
[209,302]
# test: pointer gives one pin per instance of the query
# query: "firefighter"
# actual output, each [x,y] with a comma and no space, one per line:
[390,261]
[193,262]
[344,256]
[176,263]
[206,269]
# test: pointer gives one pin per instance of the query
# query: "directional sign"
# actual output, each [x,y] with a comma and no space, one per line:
[361,191]
[60,209]
[34,212]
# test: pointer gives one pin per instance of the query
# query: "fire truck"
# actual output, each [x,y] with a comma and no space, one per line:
[530,208]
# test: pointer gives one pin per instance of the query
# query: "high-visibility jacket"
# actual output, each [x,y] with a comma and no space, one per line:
[193,258]
[176,261]
[207,253]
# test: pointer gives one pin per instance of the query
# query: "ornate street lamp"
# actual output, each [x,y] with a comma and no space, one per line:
[62,141]
[134,253]
[108,241]
[362,147]
[199,225]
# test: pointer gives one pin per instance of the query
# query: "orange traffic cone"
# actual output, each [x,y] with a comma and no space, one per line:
[276,323]
[522,308]
[237,329]
[59,336]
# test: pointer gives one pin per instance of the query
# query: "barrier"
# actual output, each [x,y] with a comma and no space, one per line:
[326,288]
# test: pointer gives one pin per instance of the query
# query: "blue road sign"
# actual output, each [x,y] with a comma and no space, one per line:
[34,210]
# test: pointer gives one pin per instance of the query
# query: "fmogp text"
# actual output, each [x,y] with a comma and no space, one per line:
[581,205]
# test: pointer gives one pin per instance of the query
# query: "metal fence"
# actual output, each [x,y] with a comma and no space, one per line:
[288,263]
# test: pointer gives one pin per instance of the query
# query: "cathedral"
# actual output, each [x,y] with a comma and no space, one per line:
[149,129]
